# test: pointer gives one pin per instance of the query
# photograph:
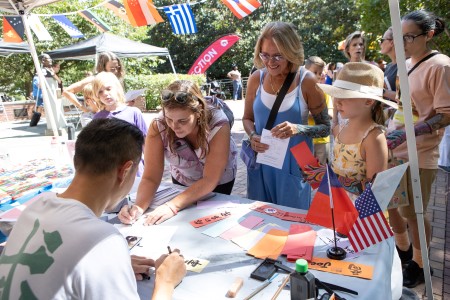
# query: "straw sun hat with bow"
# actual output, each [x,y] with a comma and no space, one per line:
[358,80]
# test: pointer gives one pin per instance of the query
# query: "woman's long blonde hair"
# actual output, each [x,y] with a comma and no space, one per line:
[196,105]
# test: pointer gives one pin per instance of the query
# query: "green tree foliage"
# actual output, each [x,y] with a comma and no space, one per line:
[322,24]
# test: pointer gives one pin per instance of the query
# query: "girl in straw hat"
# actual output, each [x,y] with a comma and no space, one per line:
[360,149]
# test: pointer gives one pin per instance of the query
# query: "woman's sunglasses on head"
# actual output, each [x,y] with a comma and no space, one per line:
[180,97]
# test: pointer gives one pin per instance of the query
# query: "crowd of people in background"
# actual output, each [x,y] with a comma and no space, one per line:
[349,115]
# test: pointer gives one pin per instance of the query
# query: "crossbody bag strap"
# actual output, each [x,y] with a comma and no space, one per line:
[276,106]
[422,60]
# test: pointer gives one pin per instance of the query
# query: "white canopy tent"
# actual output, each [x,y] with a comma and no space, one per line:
[23,8]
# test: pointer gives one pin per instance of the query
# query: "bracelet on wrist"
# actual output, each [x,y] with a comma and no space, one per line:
[251,135]
[173,209]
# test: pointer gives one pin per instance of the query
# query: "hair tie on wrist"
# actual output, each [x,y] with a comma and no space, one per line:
[174,211]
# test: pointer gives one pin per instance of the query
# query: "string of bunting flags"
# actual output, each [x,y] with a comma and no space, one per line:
[135,12]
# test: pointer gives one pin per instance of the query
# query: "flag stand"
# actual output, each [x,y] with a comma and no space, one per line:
[335,252]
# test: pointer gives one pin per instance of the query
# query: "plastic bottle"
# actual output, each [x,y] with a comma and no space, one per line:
[303,283]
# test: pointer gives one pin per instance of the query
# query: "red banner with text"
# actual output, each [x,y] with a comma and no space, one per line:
[212,53]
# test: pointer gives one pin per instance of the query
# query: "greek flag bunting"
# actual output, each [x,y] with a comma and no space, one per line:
[181,18]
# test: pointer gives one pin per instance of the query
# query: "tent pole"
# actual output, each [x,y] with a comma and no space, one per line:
[411,139]
[171,63]
[42,80]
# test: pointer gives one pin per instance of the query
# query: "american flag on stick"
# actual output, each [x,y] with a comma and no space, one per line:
[371,227]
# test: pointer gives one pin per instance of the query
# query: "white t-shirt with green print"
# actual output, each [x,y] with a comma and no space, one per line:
[59,249]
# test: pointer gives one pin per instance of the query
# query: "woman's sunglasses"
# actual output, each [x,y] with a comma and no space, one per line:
[180,97]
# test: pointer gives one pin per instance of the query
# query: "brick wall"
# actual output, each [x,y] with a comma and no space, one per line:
[10,107]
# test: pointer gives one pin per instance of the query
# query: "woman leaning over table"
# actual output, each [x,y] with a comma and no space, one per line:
[195,138]
[278,52]
[429,87]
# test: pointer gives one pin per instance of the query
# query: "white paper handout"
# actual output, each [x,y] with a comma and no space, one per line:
[276,153]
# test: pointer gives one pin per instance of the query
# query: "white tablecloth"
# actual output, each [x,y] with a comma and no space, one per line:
[228,261]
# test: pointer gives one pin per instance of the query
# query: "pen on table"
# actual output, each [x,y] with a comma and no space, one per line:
[168,249]
[281,287]
[261,287]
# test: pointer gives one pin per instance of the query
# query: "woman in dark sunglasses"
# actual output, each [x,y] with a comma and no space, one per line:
[195,138]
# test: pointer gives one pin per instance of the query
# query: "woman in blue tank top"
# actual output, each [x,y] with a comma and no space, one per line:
[279,52]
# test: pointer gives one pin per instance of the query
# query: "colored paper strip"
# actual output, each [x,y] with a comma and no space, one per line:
[242,228]
[341,267]
[270,245]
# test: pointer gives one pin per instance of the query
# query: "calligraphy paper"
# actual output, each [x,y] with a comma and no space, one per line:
[300,242]
[294,217]
[200,222]
[304,156]
[270,245]
[154,238]
[217,229]
[341,267]
[268,210]
[249,239]
[195,264]
[242,227]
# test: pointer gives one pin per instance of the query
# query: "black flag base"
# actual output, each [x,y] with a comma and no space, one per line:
[336,253]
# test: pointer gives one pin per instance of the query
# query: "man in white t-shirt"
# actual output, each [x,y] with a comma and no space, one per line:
[60,249]
[235,75]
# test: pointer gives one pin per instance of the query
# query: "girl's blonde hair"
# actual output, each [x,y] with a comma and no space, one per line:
[88,93]
[196,104]
[107,78]
[286,39]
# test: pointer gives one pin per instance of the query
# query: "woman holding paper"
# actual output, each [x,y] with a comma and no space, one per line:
[279,52]
[195,138]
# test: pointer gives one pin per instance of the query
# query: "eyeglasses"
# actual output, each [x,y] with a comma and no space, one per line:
[180,97]
[383,39]
[267,57]
[114,69]
[410,38]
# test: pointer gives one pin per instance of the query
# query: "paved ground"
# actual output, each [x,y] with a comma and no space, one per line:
[19,142]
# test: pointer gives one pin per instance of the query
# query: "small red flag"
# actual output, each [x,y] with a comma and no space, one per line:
[142,12]
[331,194]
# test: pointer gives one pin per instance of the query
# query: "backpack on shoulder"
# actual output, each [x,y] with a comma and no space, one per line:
[220,104]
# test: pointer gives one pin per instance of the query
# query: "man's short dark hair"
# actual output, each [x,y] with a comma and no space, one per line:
[105,144]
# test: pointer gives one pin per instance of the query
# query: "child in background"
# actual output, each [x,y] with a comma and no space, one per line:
[108,92]
[90,103]
[316,65]
[360,149]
